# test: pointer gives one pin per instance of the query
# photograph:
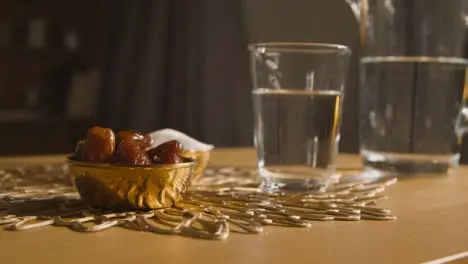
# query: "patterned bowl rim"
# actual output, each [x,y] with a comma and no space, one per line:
[74,162]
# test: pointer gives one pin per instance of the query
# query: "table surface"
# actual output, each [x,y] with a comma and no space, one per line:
[432,223]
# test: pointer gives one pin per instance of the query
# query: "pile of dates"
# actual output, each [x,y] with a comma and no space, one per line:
[126,147]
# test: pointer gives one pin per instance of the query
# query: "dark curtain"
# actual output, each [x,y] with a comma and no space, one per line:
[178,64]
[184,64]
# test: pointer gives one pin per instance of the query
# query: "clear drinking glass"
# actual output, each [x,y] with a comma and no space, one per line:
[412,83]
[297,98]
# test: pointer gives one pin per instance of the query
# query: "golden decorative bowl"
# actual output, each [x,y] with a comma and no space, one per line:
[128,187]
[201,157]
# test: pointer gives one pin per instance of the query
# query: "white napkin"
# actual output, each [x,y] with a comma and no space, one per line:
[164,135]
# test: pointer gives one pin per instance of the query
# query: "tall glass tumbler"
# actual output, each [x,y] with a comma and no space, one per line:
[297,99]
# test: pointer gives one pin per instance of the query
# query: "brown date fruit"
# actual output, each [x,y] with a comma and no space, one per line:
[99,145]
[130,152]
[167,153]
[129,135]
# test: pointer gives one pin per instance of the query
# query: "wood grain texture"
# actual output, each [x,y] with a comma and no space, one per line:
[432,224]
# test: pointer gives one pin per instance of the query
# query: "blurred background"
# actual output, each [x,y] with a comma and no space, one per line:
[149,64]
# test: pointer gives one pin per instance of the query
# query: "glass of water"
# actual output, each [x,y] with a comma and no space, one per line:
[412,83]
[297,98]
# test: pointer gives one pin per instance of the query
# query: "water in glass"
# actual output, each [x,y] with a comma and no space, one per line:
[409,112]
[296,135]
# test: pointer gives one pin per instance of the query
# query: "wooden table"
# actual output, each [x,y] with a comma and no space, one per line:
[433,223]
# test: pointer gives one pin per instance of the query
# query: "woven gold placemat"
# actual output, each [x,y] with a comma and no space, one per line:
[225,200]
